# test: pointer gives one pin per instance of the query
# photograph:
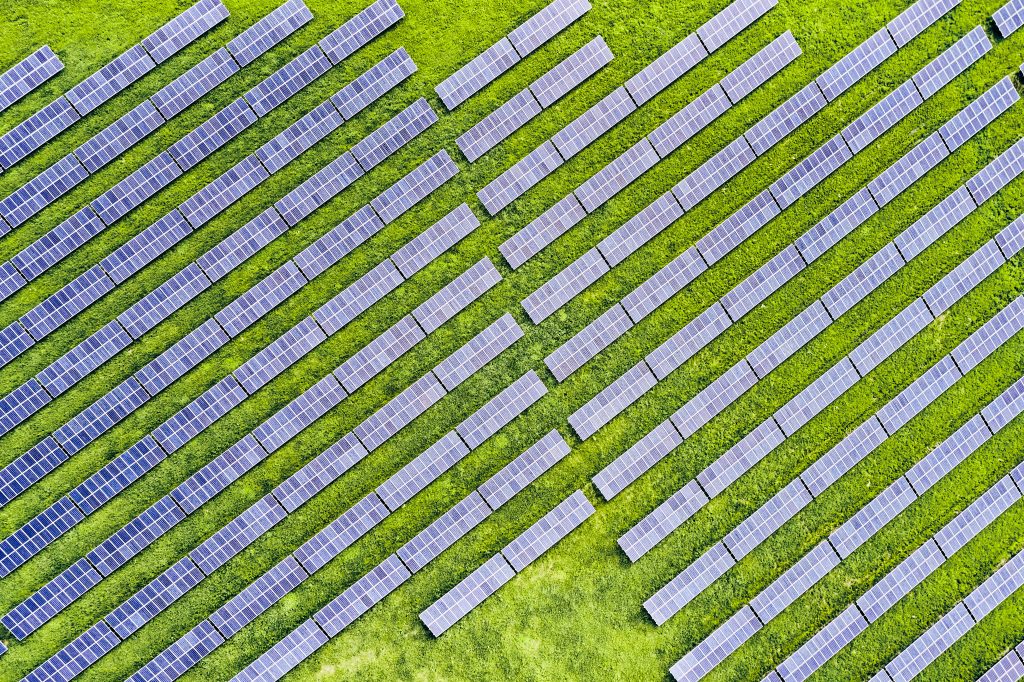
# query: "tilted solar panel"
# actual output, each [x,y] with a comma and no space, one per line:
[793,336]
[132,191]
[54,246]
[909,169]
[187,88]
[41,459]
[997,174]
[232,185]
[320,472]
[590,341]
[381,352]
[42,190]
[36,130]
[565,286]
[728,23]
[185,354]
[22,402]
[480,350]
[685,343]
[842,75]
[543,230]
[260,299]
[524,469]
[196,416]
[964,277]
[157,306]
[768,518]
[237,534]
[51,599]
[288,80]
[212,134]
[821,393]
[152,599]
[146,246]
[480,71]
[546,24]
[501,409]
[341,533]
[32,537]
[785,118]
[900,581]
[637,460]
[917,18]
[919,394]
[666,69]
[976,517]
[135,536]
[263,592]
[930,645]
[101,416]
[593,123]
[757,70]
[862,281]
[456,295]
[467,595]
[285,655]
[665,283]
[952,62]
[269,31]
[371,85]
[119,136]
[825,644]
[309,406]
[738,459]
[617,175]
[443,532]
[883,116]
[363,594]
[118,474]
[175,660]
[714,173]
[792,584]
[415,186]
[710,402]
[871,518]
[763,282]
[891,336]
[170,38]
[361,29]
[81,653]
[514,182]
[548,530]
[499,124]
[1009,17]
[358,296]
[665,518]
[241,244]
[399,412]
[571,71]
[704,657]
[219,473]
[282,353]
[115,76]
[27,75]
[937,222]
[689,583]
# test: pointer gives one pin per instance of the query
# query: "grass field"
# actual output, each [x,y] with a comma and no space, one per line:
[577,612]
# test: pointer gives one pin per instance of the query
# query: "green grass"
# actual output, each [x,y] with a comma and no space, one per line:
[577,612]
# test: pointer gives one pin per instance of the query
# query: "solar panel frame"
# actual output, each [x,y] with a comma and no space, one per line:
[198,414]
[40,531]
[404,126]
[565,76]
[997,174]
[842,75]
[258,596]
[590,341]
[543,230]
[456,295]
[524,469]
[135,536]
[547,531]
[51,599]
[793,336]
[862,281]
[979,113]
[998,587]
[1009,668]
[637,460]
[280,354]
[593,123]
[212,134]
[361,29]
[477,73]
[119,136]
[714,173]
[469,593]
[183,29]
[241,244]
[116,475]
[52,183]
[689,120]
[110,79]
[872,517]
[882,116]
[825,644]
[964,277]
[54,246]
[1008,19]
[763,282]
[565,286]
[10,279]
[738,459]
[785,118]
[28,74]
[948,454]
[373,83]
[278,87]
[36,130]
[617,175]
[1011,238]
[898,582]
[415,186]
[447,529]
[279,659]
[81,653]
[952,537]
[714,398]
[738,227]
[237,534]
[688,341]
[185,354]
[497,412]
[21,403]
[398,412]
[362,595]
[930,645]
[14,340]
[159,304]
[480,350]
[664,519]
[714,649]
[319,188]
[952,62]
[300,136]
[39,460]
[821,393]
[145,247]
[612,400]
[66,302]
[152,599]
[1006,406]
[925,389]
[422,249]
[381,352]
[891,336]
[520,178]
[189,87]
[935,223]
[664,284]
[666,69]
[795,581]
[269,31]
[334,538]
[499,125]
[219,473]
[766,519]
[309,406]
[810,172]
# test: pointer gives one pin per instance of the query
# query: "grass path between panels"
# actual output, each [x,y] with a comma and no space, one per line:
[577,612]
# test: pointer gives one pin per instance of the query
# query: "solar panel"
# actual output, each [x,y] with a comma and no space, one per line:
[952,62]
[361,29]
[27,75]
[900,581]
[415,186]
[498,125]
[21,403]
[785,118]
[665,518]
[480,350]
[362,595]
[763,282]
[31,538]
[42,190]
[919,394]
[735,229]
[158,305]
[1005,408]
[67,302]
[891,337]
[319,188]
[930,645]
[689,583]
[1011,238]
[728,23]
[115,76]
[358,296]
[467,595]
[187,88]
[515,182]
[330,248]
[617,175]
[1007,669]
[792,584]
[524,469]
[1007,579]
[232,185]
[501,409]
[175,660]
[976,517]
[185,354]
[288,80]
[133,190]
[241,244]
[686,342]
[146,246]
[689,120]
[640,229]
[807,174]
[714,173]
[704,657]
[260,299]
[612,400]
[311,404]
[479,72]
[218,474]
[299,136]
[191,420]
[152,599]
[399,412]
[664,284]
[435,240]
[548,530]
[836,225]
[964,277]
[543,230]
[393,135]
[212,134]
[341,533]
[862,281]
[909,169]
[119,136]
[593,339]
[882,116]
[997,174]
[571,71]
[372,84]
[116,475]
[714,398]
[237,534]
[593,123]
[882,509]
[285,655]
[259,596]
[825,644]
[917,18]
[935,223]
[135,536]
[14,340]
[756,71]
[53,247]
[36,130]
[269,31]
[738,459]
[456,295]
[858,63]
[979,113]
[443,532]
[101,416]
[768,518]
[793,336]
[170,38]
[951,452]
[546,24]
[282,353]
[377,355]
[28,468]
[81,653]
[666,69]
[320,472]
[51,599]
[821,393]
[565,286]
[10,279]
[1008,19]
[637,460]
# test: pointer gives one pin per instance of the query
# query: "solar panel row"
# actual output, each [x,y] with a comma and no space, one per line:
[27,75]
[269,31]
[1007,18]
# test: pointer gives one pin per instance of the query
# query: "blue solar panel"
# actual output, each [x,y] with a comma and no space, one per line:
[117,475]
[31,466]
[182,356]
[371,85]
[51,599]
[146,246]
[285,655]
[883,116]
[415,186]
[237,534]
[14,340]
[219,473]
[269,31]
[392,135]
[375,430]
[320,472]
[67,302]
[361,29]
[85,650]
[422,471]
[42,190]
[213,134]
[148,602]
[21,403]
[299,136]
[259,596]
[288,80]
[362,595]
[192,419]
[232,185]
[998,173]
[176,659]
[31,538]
[119,136]
[27,75]
[456,295]
[111,79]
[447,529]
[917,18]
[36,130]
[260,299]
[56,244]
[282,353]
[132,191]
[287,422]
[358,296]
[135,536]
[10,279]
[187,88]
[158,305]
[341,533]
[101,416]
[170,38]
[330,248]
[319,188]
[241,244]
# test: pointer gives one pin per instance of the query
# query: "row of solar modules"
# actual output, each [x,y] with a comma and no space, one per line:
[280,428]
[288,497]
[28,74]
[1009,17]
[531,100]
[199,209]
[119,73]
[629,166]
[500,57]
[153,112]
[599,119]
[1009,668]
[782,345]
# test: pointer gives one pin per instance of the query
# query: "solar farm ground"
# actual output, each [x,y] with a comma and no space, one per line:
[577,612]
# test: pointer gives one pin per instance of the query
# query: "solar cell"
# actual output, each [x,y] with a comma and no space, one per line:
[390,137]
[340,533]
[785,118]
[101,416]
[1007,669]
[792,584]
[179,657]
[299,136]
[686,342]
[288,80]
[191,420]
[714,398]
[260,299]
[52,247]
[565,286]
[689,120]
[862,281]
[119,136]
[258,596]
[593,123]
[976,517]
[480,350]
[768,518]
[825,644]
[219,473]
[443,532]
[330,248]
[571,71]
[637,460]
[280,354]
[146,246]
[212,134]
[793,336]
[1008,19]
[612,400]
[717,646]
[372,84]
[361,29]
[738,459]
[1005,408]
[21,403]
[148,602]
[269,31]
[964,277]
[42,190]
[952,62]
[735,229]
[311,404]
[547,227]
[27,75]
[51,599]
[480,71]
[617,175]
[158,305]
[714,173]
[666,69]
[891,336]
[116,475]
[763,282]
[399,412]
[498,125]
[594,338]
[688,583]
[81,653]
[665,518]
[36,130]
[363,594]
[997,174]
[319,472]
[916,18]
[319,188]
[185,354]
[187,88]
[728,23]
[524,469]
[456,295]
[237,534]
[170,38]
[515,182]
[133,190]
[285,655]
[415,186]
[935,223]
[754,72]
[501,409]
[31,538]
[547,531]
[930,645]
[358,296]
[919,394]
[467,595]
[900,581]
[233,184]
[882,509]
[29,467]
[909,169]
[112,78]
[882,116]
